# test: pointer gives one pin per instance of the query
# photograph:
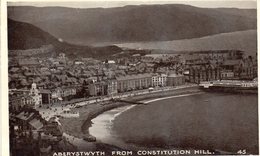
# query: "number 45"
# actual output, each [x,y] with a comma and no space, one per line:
[241,151]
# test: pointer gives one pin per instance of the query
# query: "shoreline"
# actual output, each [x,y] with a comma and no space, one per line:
[79,127]
[163,94]
[139,136]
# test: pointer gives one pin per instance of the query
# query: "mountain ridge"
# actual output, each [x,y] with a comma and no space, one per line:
[135,23]
[22,36]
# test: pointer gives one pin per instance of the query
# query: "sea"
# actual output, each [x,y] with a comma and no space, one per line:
[213,121]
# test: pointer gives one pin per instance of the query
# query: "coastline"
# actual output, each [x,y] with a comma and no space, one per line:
[79,127]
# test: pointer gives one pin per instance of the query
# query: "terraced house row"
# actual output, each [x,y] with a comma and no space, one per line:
[245,69]
[134,82]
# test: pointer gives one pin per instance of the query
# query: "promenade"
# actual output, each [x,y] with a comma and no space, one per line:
[51,110]
[74,129]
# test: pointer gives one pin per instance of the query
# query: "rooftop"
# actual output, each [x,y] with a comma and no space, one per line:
[137,76]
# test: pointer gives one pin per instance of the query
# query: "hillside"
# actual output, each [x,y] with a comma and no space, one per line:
[134,23]
[241,40]
[26,36]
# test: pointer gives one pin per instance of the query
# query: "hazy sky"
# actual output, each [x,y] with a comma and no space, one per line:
[117,3]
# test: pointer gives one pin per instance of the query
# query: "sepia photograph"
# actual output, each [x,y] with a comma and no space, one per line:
[138,78]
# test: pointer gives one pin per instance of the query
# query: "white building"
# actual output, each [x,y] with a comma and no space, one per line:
[35,95]
[159,80]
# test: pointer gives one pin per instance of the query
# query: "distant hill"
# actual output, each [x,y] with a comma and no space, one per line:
[23,36]
[240,40]
[134,23]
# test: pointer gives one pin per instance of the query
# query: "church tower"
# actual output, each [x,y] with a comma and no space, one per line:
[34,90]
[34,93]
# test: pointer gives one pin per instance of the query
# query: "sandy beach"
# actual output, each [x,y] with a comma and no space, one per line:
[78,127]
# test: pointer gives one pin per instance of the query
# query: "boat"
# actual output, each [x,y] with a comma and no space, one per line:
[232,86]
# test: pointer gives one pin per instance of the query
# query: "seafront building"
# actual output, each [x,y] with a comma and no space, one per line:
[174,79]
[60,79]
[25,98]
[133,82]
[98,88]
[159,80]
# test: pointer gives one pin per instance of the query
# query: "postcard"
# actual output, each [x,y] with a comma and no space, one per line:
[132,78]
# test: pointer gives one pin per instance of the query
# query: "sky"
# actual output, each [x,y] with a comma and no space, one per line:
[120,3]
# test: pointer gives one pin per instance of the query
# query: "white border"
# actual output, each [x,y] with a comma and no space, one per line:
[4,124]
[4,128]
